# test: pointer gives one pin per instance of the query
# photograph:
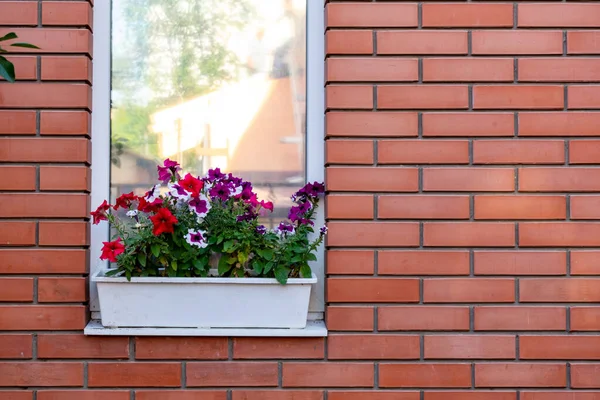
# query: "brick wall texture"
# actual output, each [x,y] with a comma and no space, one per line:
[463,263]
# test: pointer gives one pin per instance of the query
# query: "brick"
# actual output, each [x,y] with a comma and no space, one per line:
[16,289]
[18,395]
[419,262]
[559,70]
[67,68]
[347,96]
[55,233]
[585,207]
[585,262]
[276,395]
[517,42]
[559,124]
[25,67]
[232,374]
[471,395]
[518,152]
[65,123]
[373,395]
[422,152]
[468,234]
[373,347]
[349,318]
[281,348]
[468,124]
[328,375]
[470,347]
[520,207]
[520,375]
[583,42]
[35,261]
[83,395]
[559,179]
[13,233]
[372,290]
[53,40]
[42,318]
[16,347]
[54,205]
[584,96]
[350,207]
[422,42]
[46,95]
[17,178]
[62,290]
[348,42]
[80,346]
[469,290]
[585,375]
[17,122]
[349,152]
[425,375]
[457,15]
[180,395]
[423,207]
[73,13]
[549,15]
[571,395]
[585,319]
[18,13]
[371,69]
[468,69]
[559,234]
[520,318]
[423,318]
[422,97]
[468,179]
[355,262]
[41,374]
[559,347]
[140,374]
[584,151]
[373,234]
[384,179]
[356,15]
[521,262]
[518,97]
[361,123]
[559,290]
[44,150]
[189,348]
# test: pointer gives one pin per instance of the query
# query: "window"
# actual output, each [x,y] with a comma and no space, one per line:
[235,84]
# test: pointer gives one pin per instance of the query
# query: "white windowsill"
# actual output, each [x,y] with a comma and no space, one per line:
[313,329]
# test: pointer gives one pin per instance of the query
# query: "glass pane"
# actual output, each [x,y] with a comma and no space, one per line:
[210,83]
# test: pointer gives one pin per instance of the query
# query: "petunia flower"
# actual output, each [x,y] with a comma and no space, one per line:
[284,228]
[267,205]
[196,238]
[200,205]
[111,250]
[261,229]
[163,222]
[247,216]
[215,175]
[147,207]
[132,213]
[178,191]
[323,230]
[220,191]
[152,194]
[100,213]
[168,170]
[125,200]
[191,184]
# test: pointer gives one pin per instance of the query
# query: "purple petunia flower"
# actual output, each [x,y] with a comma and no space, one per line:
[215,175]
[248,216]
[285,228]
[152,194]
[220,191]
[323,230]
[178,191]
[200,205]
[168,170]
[196,238]
[261,229]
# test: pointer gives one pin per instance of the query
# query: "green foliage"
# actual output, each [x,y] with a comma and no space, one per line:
[7,69]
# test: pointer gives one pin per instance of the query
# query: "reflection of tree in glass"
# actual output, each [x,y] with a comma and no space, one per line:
[167,51]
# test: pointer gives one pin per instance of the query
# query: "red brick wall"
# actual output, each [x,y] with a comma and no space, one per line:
[462,151]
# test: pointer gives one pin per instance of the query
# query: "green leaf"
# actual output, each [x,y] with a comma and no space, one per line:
[305,271]
[174,265]
[199,263]
[8,36]
[258,266]
[25,45]
[228,246]
[141,258]
[311,257]
[267,254]
[7,69]
[112,272]
[232,260]
[128,275]
[268,267]
[224,266]
[281,274]
[155,250]
[242,257]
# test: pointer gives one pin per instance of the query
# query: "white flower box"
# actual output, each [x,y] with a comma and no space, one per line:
[203,302]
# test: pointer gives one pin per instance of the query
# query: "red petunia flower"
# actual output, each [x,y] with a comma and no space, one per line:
[146,206]
[163,222]
[100,213]
[191,184]
[111,250]
[125,200]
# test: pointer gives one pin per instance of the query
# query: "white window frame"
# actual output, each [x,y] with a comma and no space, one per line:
[101,126]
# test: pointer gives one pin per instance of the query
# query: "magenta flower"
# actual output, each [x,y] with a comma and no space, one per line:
[200,205]
[168,170]
[285,228]
[220,191]
[196,238]
[261,229]
[215,175]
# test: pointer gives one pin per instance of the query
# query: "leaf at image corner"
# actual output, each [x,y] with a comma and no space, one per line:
[7,69]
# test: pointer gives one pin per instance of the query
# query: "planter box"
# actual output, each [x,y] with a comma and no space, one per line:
[203,302]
